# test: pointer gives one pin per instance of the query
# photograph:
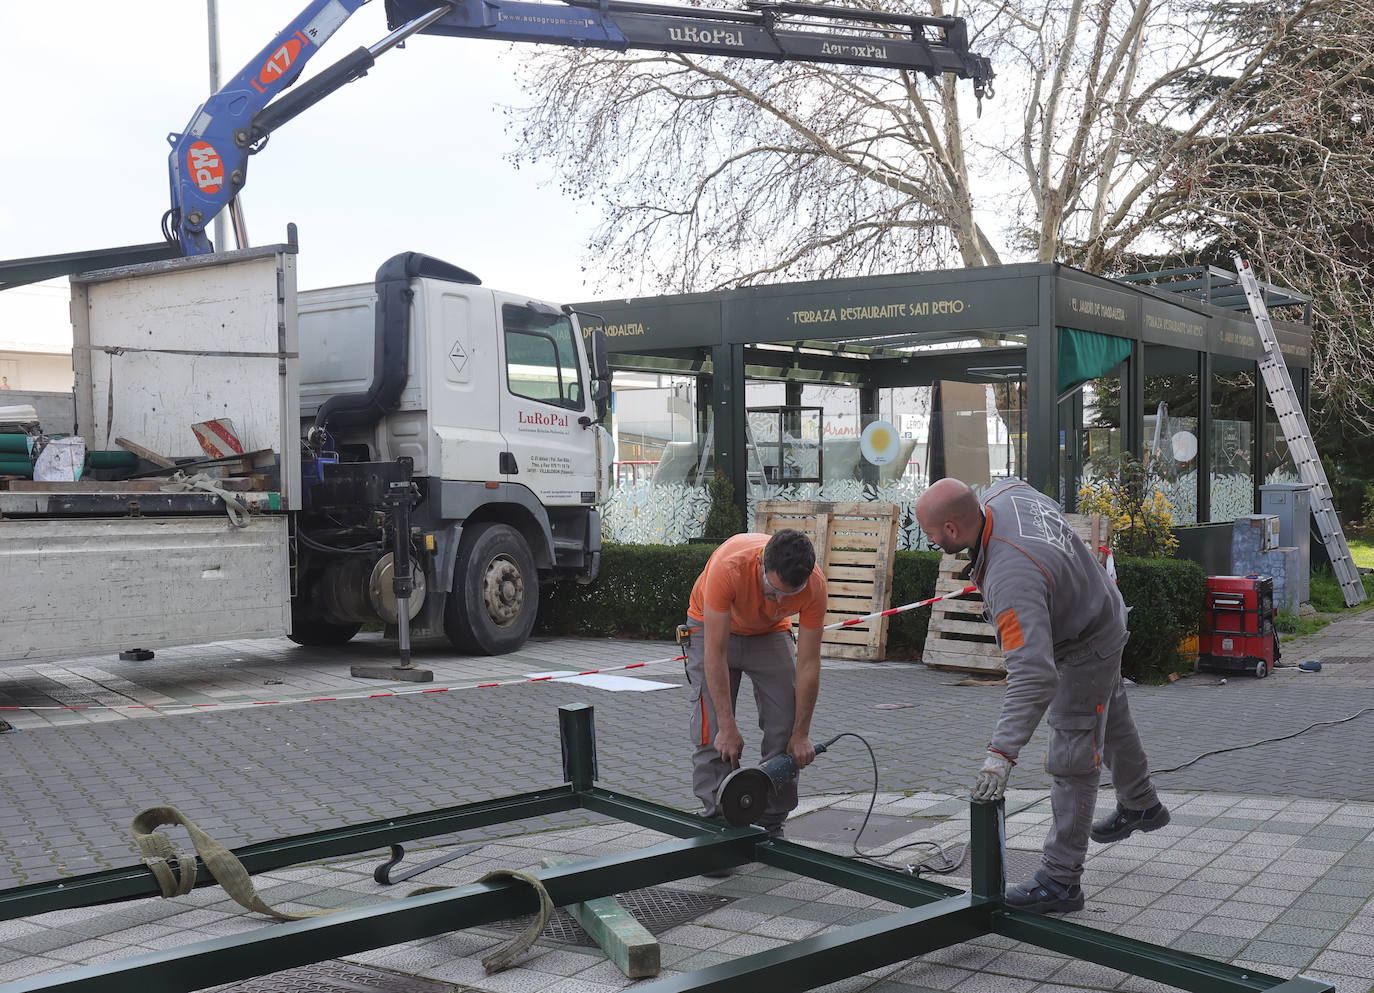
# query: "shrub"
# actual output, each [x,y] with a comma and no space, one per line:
[913,580]
[724,518]
[1141,516]
[1166,597]
[642,592]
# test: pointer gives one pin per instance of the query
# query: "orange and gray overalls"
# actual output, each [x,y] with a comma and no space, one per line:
[1061,624]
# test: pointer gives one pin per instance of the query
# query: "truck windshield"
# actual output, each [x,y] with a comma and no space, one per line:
[541,357]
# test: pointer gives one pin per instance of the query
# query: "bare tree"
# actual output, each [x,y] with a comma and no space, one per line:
[1121,128]
[1294,190]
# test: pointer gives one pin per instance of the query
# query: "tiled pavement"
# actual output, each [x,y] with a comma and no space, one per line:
[1269,862]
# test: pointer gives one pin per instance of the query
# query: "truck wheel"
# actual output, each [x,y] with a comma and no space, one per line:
[313,631]
[495,594]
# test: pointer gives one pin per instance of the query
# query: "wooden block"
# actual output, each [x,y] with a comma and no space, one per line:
[625,941]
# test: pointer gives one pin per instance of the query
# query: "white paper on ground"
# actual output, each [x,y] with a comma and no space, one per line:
[601,681]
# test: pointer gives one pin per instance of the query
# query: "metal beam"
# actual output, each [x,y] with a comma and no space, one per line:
[1139,958]
[851,874]
[20,272]
[137,881]
[645,813]
[804,965]
[297,943]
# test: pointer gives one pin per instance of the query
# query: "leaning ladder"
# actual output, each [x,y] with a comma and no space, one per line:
[1299,438]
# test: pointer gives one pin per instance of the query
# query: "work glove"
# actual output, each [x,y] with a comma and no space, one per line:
[992,778]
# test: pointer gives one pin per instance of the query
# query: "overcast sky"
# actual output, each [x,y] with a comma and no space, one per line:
[408,158]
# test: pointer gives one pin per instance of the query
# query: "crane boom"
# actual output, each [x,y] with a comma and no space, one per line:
[208,163]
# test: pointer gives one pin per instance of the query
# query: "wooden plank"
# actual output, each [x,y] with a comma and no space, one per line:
[949,625]
[843,572]
[852,542]
[851,558]
[147,454]
[625,941]
[964,664]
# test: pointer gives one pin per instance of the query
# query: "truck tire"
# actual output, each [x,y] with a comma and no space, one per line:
[312,631]
[495,591]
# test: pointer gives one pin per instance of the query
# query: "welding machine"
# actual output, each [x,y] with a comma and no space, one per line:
[1237,633]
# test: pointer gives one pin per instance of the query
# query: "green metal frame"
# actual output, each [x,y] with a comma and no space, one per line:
[933,916]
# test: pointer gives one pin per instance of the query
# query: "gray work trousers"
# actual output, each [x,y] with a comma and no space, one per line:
[771,663]
[1090,726]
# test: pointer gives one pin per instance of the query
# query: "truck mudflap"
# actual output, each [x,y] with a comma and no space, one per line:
[102,585]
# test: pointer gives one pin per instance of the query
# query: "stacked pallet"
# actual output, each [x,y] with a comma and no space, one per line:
[959,636]
[855,546]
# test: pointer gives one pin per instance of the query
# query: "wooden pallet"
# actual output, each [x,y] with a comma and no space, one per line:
[855,547]
[959,637]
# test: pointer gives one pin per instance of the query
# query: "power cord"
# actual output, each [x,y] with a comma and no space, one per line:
[950,864]
[1262,741]
[877,858]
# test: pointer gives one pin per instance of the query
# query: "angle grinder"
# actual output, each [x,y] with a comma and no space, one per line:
[744,793]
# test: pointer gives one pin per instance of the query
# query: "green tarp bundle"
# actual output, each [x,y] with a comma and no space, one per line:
[1085,355]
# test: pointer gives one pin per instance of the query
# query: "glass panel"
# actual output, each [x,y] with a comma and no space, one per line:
[1171,442]
[1232,481]
[1099,435]
[654,421]
[541,357]
[660,496]
[1278,461]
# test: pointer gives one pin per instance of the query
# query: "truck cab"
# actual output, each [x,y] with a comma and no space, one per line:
[490,398]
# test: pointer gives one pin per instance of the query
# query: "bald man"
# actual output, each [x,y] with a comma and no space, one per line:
[1061,624]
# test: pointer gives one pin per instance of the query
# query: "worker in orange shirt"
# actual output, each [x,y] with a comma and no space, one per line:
[739,613]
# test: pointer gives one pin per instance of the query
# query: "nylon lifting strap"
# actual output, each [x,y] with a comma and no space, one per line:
[228,871]
[159,856]
[505,955]
[223,865]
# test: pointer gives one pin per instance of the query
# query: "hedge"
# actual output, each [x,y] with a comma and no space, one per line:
[642,592]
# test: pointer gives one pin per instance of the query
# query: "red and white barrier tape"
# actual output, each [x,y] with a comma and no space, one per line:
[898,610]
[240,704]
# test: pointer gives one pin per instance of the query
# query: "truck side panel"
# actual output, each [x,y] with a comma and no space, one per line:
[162,346]
[76,586]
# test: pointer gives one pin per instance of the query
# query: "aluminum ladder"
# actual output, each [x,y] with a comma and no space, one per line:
[1299,438]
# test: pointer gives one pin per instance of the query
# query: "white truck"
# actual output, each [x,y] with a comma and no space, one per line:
[425,395]
[470,441]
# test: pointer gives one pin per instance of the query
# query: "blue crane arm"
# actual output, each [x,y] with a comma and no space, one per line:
[208,164]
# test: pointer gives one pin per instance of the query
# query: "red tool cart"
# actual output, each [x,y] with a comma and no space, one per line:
[1237,632]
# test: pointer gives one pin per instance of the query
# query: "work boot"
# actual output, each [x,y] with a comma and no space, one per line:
[1043,895]
[1124,823]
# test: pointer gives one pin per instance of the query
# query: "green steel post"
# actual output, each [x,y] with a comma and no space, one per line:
[577,733]
[1042,372]
[1138,958]
[987,846]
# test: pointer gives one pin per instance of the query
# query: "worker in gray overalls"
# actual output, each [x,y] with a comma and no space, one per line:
[1061,624]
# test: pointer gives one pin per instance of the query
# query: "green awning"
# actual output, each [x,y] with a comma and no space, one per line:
[1085,355]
